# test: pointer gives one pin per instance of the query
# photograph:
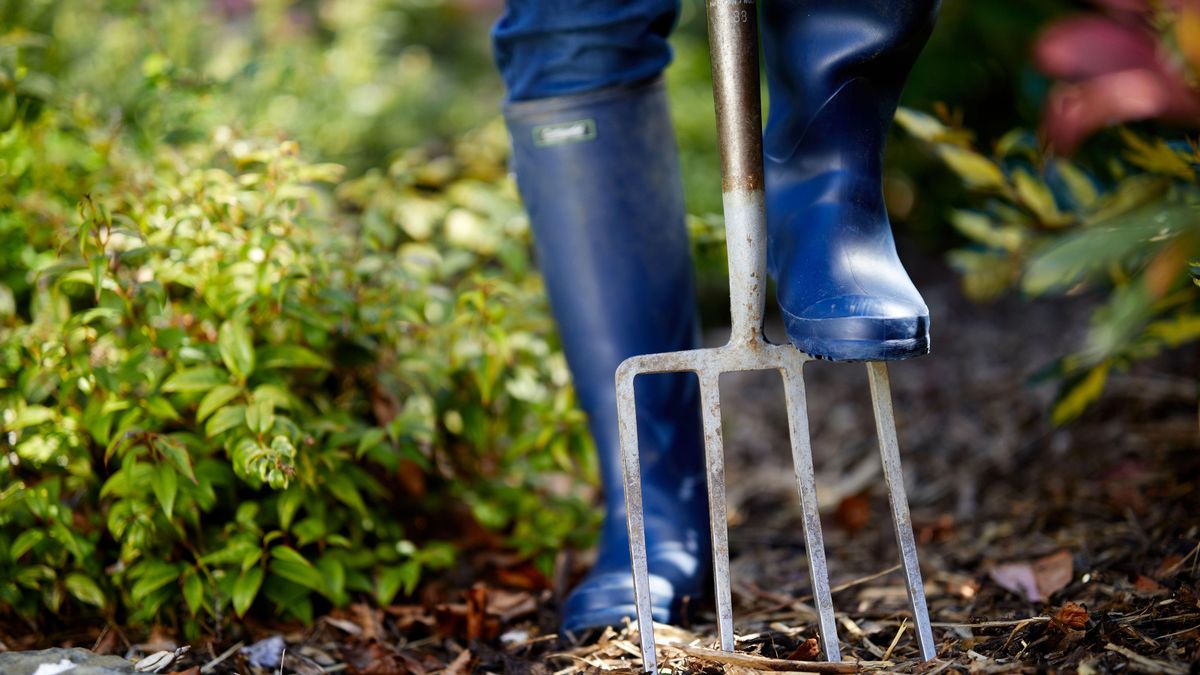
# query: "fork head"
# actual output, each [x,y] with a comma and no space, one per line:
[750,355]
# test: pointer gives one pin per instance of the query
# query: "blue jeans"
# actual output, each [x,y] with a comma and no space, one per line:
[547,48]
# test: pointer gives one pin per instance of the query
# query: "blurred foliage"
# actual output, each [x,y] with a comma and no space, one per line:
[231,377]
[976,67]
[1050,226]
[352,81]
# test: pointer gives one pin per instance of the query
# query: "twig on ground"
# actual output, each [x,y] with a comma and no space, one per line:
[785,603]
[1145,663]
[887,655]
[212,665]
[992,624]
[1182,561]
[859,633]
[764,663]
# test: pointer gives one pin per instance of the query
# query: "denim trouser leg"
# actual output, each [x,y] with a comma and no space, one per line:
[546,48]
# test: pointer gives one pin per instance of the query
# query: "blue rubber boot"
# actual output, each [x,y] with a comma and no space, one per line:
[599,176]
[835,70]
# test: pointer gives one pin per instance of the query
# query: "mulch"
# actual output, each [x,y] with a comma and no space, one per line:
[1043,549]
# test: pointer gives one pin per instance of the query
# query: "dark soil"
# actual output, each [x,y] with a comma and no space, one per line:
[1102,517]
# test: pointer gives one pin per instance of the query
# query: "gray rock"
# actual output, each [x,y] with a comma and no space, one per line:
[266,654]
[65,661]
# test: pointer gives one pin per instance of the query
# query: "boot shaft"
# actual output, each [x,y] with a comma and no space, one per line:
[815,48]
[599,175]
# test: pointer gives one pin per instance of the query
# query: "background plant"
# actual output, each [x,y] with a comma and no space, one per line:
[1123,217]
[229,375]
[1047,226]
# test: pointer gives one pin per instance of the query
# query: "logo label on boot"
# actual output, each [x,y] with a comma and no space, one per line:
[563,133]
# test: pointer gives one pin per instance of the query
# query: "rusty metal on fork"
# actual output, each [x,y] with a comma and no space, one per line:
[733,41]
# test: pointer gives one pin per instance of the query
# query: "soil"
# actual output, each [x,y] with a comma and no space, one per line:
[1070,549]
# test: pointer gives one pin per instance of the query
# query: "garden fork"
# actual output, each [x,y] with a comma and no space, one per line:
[733,40]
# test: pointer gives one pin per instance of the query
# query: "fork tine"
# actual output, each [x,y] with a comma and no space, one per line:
[635,517]
[889,450]
[714,455]
[806,482]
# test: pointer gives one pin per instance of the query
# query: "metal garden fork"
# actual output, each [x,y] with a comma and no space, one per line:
[733,39]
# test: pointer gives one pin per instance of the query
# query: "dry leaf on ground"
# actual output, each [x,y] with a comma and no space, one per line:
[1035,580]
[1072,615]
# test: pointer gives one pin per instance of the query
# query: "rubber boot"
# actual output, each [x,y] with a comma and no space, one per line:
[599,176]
[835,69]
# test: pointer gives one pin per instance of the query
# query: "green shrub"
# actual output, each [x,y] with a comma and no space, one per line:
[1048,226]
[230,378]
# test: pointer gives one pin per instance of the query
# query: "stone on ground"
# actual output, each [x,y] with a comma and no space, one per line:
[65,661]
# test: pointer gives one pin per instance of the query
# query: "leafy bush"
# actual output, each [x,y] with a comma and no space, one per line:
[231,378]
[1047,226]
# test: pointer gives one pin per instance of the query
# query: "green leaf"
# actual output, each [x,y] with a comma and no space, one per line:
[922,125]
[84,589]
[260,416]
[1116,324]
[31,576]
[165,484]
[177,454]
[334,574]
[290,554]
[215,398]
[986,274]
[1037,197]
[291,356]
[393,579]
[980,228]
[370,438]
[251,558]
[1175,330]
[31,415]
[151,576]
[234,552]
[345,491]
[1082,190]
[289,502]
[976,171]
[290,565]
[66,536]
[225,419]
[202,378]
[1079,394]
[237,348]
[1092,252]
[97,264]
[24,542]
[160,408]
[246,588]
[277,395]
[1157,156]
[193,591]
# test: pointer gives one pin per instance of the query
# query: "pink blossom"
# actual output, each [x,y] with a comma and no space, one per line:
[1111,68]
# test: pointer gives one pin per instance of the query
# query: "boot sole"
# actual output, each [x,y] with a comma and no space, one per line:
[816,337]
[614,616]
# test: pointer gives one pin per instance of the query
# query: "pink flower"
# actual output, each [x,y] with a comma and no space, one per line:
[1112,69]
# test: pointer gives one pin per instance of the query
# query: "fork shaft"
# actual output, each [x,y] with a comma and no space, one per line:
[733,46]
[893,475]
